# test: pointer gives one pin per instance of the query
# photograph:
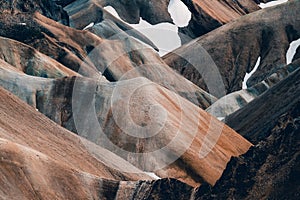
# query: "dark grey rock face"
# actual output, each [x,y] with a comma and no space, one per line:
[268,170]
[47,8]
[256,119]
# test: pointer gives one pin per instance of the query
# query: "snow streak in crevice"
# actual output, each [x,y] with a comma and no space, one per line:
[272,3]
[153,175]
[248,75]
[292,51]
[89,26]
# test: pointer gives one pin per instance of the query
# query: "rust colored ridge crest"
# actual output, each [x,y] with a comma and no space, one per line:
[208,15]
[66,45]
[28,60]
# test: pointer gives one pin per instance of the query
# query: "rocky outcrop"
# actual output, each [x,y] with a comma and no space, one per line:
[208,15]
[271,30]
[153,11]
[160,189]
[236,100]
[47,8]
[269,170]
[111,28]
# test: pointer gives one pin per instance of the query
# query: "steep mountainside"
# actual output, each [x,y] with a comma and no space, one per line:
[80,51]
[236,100]
[208,15]
[270,169]
[271,30]
[172,121]
[90,110]
[41,160]
[282,97]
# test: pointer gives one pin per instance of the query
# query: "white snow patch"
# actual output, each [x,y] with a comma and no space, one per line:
[292,51]
[89,26]
[152,175]
[221,118]
[112,11]
[164,35]
[248,75]
[179,13]
[264,82]
[272,3]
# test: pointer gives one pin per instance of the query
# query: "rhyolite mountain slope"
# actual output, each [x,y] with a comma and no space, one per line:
[284,135]
[41,160]
[23,125]
[175,123]
[130,117]
[80,50]
[236,47]
[53,97]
